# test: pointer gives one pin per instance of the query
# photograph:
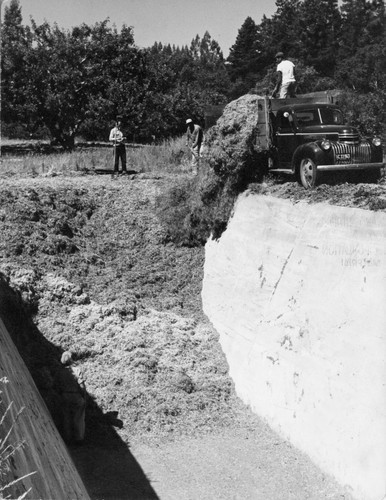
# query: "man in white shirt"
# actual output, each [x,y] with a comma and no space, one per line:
[116,137]
[285,77]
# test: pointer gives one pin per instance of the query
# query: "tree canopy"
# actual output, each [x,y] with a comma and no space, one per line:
[71,82]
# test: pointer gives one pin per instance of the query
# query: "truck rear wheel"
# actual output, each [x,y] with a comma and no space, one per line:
[308,173]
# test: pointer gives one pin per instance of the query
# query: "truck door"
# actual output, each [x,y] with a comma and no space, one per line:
[286,139]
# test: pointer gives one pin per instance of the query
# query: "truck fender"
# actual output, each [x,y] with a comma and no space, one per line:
[308,150]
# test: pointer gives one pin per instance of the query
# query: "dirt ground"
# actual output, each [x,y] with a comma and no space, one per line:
[90,260]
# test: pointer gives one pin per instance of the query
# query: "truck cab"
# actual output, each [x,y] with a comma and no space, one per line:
[306,137]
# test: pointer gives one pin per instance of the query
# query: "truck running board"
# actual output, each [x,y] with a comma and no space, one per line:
[281,170]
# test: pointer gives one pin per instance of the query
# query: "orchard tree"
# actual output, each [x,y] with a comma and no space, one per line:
[57,85]
[164,98]
[151,111]
[180,82]
[68,79]
[16,42]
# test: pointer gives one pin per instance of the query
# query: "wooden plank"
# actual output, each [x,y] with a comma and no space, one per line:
[261,104]
[267,111]
[332,94]
[261,117]
[262,143]
[263,139]
[323,97]
[261,129]
[276,104]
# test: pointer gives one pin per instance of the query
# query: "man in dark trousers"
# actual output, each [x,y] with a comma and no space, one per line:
[118,140]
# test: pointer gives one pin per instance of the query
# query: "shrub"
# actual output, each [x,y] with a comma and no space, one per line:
[367,112]
[21,131]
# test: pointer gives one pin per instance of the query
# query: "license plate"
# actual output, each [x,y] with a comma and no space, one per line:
[345,156]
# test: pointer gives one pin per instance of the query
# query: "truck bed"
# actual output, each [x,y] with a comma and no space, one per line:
[266,106]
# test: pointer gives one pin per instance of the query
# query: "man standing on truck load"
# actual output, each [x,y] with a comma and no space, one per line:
[116,137]
[194,140]
[285,77]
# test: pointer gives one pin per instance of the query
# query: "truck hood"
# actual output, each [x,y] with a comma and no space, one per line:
[330,130]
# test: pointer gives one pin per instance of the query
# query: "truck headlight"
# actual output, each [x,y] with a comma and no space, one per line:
[326,144]
[377,141]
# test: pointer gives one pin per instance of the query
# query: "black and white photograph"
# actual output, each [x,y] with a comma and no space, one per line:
[192,250]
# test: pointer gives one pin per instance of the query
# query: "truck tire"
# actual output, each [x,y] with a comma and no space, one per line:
[308,173]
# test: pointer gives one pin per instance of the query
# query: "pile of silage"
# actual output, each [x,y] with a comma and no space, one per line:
[232,151]
[199,208]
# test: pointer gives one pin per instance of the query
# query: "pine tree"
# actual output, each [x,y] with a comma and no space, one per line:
[285,28]
[319,35]
[242,55]
[362,52]
[354,21]
[210,71]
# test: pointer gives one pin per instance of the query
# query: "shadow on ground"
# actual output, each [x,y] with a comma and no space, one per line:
[107,467]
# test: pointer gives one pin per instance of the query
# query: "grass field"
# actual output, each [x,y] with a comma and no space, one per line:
[25,158]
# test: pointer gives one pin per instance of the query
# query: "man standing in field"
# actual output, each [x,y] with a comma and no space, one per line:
[285,77]
[116,137]
[194,140]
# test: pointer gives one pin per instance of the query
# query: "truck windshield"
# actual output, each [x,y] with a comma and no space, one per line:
[307,117]
[318,116]
[331,116]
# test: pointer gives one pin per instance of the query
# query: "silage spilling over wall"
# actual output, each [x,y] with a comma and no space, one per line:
[232,147]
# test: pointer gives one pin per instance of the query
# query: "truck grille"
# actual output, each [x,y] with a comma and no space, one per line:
[350,136]
[345,154]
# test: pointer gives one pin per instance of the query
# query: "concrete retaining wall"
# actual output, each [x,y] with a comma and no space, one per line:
[297,294]
[44,451]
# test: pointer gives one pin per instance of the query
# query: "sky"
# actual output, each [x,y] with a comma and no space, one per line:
[167,21]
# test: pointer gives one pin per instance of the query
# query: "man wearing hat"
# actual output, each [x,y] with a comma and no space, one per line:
[285,77]
[194,140]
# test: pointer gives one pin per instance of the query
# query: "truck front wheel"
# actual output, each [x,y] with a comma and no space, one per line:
[308,173]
